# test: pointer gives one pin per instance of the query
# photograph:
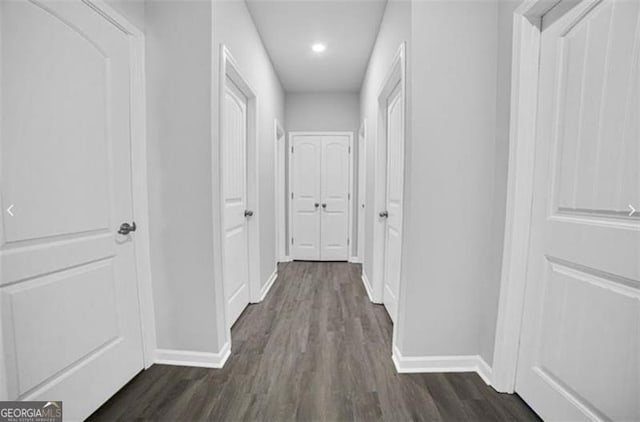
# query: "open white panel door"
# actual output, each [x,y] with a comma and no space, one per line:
[393,212]
[306,158]
[580,342]
[70,316]
[335,198]
[234,191]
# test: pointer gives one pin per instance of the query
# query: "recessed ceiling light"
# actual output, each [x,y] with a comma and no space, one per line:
[318,47]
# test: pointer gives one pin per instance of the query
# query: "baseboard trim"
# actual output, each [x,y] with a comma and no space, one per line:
[268,284]
[355,260]
[285,259]
[424,364]
[192,358]
[365,281]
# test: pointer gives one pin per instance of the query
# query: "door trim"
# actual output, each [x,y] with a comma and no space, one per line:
[279,136]
[139,188]
[362,196]
[396,74]
[527,23]
[140,191]
[289,192]
[229,68]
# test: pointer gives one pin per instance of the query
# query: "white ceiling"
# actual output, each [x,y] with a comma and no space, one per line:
[348,28]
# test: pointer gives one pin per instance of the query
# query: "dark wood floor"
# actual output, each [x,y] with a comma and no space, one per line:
[314,349]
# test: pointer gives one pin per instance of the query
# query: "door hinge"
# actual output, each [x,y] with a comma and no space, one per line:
[349,197]
[349,150]
[292,240]
[291,149]
[291,195]
[348,240]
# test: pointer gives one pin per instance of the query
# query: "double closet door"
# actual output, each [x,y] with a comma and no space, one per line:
[320,181]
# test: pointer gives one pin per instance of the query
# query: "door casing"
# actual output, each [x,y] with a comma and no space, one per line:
[280,191]
[139,186]
[362,190]
[396,74]
[349,208]
[527,24]
[230,69]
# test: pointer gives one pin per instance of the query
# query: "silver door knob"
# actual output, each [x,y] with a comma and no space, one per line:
[248,213]
[316,205]
[324,205]
[384,214]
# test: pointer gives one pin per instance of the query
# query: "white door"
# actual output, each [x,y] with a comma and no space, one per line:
[306,175]
[362,189]
[68,289]
[334,224]
[393,212]
[320,197]
[580,342]
[234,181]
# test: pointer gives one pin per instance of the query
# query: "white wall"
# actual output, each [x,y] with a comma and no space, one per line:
[183,45]
[458,77]
[233,27]
[322,111]
[395,29]
[179,71]
[449,273]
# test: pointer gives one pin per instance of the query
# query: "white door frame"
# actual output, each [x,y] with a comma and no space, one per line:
[229,68]
[395,75]
[527,23]
[350,204]
[362,193]
[280,191]
[139,190]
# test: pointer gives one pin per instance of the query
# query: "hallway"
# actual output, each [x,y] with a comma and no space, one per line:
[314,349]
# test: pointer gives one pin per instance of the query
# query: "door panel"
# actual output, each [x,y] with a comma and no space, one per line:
[234,153]
[68,285]
[393,225]
[335,198]
[580,343]
[306,188]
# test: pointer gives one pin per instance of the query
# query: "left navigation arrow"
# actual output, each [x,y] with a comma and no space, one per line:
[9,210]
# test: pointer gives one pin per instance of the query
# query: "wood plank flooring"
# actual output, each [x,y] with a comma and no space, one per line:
[315,349]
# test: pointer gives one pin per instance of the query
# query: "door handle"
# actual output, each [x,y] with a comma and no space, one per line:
[248,213]
[126,228]
[384,214]
[324,205]
[316,205]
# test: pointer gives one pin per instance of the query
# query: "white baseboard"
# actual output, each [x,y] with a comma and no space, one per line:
[367,286]
[191,358]
[355,260]
[417,364]
[285,259]
[268,284]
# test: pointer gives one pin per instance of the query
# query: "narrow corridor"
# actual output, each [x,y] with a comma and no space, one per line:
[314,349]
